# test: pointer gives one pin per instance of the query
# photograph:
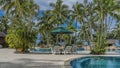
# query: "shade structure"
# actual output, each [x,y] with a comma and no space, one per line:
[110,41]
[61,30]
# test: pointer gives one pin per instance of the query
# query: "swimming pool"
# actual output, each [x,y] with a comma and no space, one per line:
[96,62]
[41,50]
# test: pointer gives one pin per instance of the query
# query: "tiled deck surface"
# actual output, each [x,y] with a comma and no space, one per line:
[8,59]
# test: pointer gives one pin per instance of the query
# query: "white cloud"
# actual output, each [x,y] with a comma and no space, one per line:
[70,2]
[44,4]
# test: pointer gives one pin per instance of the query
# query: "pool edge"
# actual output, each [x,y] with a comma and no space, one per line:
[67,62]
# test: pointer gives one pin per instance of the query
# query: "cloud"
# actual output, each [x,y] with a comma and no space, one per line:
[70,3]
[44,4]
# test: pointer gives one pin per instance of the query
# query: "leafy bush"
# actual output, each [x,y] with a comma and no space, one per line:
[98,51]
[20,38]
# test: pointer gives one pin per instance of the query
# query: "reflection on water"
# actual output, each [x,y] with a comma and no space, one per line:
[97,62]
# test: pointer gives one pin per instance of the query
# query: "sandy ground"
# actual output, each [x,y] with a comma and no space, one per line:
[8,59]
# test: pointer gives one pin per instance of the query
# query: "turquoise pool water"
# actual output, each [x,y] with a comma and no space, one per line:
[48,50]
[41,51]
[96,62]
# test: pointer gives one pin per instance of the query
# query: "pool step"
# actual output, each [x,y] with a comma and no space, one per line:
[83,59]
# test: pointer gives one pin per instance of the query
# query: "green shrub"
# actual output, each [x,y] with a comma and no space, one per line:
[98,50]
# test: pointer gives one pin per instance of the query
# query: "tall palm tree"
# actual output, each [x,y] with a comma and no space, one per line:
[85,16]
[18,7]
[45,26]
[3,24]
[77,14]
[104,10]
[20,13]
[59,12]
[55,17]
[93,19]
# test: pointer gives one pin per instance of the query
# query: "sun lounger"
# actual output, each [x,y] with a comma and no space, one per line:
[74,49]
[56,50]
[68,50]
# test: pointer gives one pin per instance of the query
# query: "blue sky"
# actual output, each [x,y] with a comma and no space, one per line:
[1,13]
[44,4]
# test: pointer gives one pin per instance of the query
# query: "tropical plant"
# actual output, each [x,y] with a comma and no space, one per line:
[116,31]
[45,26]
[59,13]
[21,37]
[93,18]
[105,9]
[3,24]
[52,19]
[18,8]
[85,16]
[20,13]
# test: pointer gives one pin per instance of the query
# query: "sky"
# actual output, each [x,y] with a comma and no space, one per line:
[1,13]
[44,4]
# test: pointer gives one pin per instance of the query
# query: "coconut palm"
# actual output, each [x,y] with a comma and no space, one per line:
[54,18]
[77,13]
[3,24]
[92,17]
[59,12]
[18,7]
[85,16]
[20,13]
[45,26]
[104,9]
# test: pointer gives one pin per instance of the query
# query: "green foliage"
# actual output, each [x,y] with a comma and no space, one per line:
[52,19]
[95,19]
[3,24]
[9,39]
[116,32]
[21,7]
[20,13]
[20,37]
[98,51]
[92,17]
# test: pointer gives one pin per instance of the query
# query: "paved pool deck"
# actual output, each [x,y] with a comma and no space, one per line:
[9,59]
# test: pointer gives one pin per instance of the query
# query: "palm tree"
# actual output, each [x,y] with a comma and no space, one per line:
[93,19]
[3,24]
[59,12]
[85,16]
[20,13]
[54,18]
[77,14]
[18,7]
[104,10]
[45,26]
